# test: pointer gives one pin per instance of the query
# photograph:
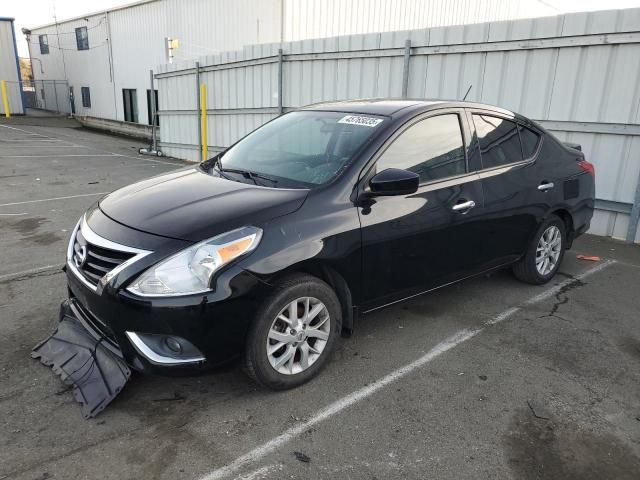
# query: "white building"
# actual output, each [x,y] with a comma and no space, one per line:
[10,67]
[106,57]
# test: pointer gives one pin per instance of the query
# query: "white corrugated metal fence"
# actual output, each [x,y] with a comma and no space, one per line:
[577,74]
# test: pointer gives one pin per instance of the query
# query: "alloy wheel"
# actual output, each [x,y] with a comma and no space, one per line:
[298,335]
[548,250]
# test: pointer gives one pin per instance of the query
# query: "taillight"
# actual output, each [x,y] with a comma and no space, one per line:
[587,167]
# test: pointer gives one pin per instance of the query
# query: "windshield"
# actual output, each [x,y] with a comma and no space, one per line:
[304,148]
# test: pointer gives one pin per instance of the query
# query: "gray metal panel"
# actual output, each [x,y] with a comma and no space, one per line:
[324,18]
[9,68]
[616,158]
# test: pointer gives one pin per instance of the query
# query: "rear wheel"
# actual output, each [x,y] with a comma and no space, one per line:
[294,333]
[544,254]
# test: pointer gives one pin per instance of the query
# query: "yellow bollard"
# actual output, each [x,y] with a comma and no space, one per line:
[5,99]
[203,120]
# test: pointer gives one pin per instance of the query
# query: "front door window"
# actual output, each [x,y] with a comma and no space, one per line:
[432,148]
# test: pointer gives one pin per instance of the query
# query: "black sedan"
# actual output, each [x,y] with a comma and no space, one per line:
[273,248]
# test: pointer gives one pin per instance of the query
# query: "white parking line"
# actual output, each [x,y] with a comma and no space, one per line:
[503,315]
[30,271]
[107,154]
[355,397]
[260,473]
[48,146]
[53,155]
[153,160]
[31,140]
[557,288]
[146,165]
[25,131]
[52,199]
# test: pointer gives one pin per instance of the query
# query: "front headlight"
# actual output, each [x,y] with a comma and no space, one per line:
[190,270]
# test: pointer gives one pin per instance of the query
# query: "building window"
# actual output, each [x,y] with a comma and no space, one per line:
[86,97]
[82,38]
[149,112]
[44,44]
[130,101]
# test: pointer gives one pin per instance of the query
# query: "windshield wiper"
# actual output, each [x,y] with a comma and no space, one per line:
[263,177]
[217,165]
[249,174]
[219,168]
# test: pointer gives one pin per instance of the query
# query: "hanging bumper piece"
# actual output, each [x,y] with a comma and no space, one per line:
[94,373]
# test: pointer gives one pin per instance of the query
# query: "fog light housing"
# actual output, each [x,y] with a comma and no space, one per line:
[166,350]
[173,344]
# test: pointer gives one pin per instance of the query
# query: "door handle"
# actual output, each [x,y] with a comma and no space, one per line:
[463,207]
[544,186]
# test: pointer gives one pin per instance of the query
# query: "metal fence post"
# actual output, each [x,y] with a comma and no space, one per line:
[198,108]
[68,97]
[5,98]
[152,101]
[405,68]
[634,215]
[280,82]
[203,119]
[55,94]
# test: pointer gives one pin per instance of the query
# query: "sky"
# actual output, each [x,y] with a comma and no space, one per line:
[32,13]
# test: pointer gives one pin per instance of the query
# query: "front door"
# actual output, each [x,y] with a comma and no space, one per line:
[415,242]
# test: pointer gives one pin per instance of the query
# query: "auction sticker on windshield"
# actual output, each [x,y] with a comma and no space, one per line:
[360,120]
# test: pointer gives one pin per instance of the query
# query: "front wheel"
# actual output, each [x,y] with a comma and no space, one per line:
[544,254]
[293,333]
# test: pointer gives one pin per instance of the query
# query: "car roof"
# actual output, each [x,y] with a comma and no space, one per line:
[386,106]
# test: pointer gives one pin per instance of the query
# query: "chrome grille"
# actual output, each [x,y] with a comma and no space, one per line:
[95,262]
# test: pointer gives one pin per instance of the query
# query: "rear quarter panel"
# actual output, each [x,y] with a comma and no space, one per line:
[574,188]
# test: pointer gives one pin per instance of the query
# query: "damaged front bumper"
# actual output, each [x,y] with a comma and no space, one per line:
[87,361]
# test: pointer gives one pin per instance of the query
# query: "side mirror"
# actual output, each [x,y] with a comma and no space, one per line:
[394,181]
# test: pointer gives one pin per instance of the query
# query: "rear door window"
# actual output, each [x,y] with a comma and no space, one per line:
[432,148]
[499,141]
[529,141]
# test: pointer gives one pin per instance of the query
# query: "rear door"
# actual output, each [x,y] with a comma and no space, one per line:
[504,152]
[414,242]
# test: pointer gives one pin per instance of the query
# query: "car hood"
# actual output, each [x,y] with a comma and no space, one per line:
[192,205]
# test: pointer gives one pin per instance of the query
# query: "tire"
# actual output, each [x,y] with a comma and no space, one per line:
[527,269]
[270,321]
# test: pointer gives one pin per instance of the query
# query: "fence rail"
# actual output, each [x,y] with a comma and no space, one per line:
[577,74]
[50,95]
